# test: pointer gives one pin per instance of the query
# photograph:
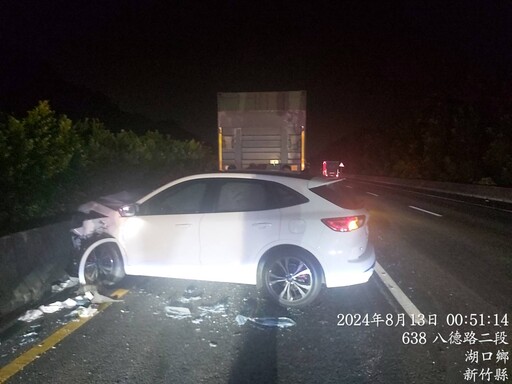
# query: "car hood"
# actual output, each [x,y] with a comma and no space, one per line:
[111,203]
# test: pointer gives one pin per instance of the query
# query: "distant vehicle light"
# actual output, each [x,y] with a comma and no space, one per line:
[345,224]
[331,168]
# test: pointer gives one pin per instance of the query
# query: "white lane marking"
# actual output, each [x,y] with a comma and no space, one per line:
[449,198]
[424,210]
[373,194]
[408,306]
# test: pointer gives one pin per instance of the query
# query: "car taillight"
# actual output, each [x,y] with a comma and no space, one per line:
[345,224]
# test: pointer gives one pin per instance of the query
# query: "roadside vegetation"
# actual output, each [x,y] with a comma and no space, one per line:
[441,140]
[49,164]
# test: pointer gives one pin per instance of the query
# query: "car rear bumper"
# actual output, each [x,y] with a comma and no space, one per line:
[355,272]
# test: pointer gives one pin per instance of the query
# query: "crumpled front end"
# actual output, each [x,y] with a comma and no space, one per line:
[92,220]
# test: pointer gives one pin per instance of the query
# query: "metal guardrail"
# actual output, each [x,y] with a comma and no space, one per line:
[490,195]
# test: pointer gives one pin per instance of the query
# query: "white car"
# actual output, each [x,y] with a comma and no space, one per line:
[287,234]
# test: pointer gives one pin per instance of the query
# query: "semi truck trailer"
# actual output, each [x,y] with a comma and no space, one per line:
[262,130]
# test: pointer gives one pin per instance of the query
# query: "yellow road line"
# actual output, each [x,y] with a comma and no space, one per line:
[26,358]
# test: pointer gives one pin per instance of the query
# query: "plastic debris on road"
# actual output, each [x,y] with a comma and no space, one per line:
[192,293]
[177,312]
[28,338]
[274,322]
[81,301]
[31,315]
[52,308]
[60,286]
[205,310]
[70,303]
[58,305]
[89,295]
[84,312]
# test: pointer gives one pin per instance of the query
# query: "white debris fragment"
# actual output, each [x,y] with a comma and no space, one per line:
[89,295]
[186,300]
[52,308]
[56,288]
[30,334]
[177,312]
[81,301]
[217,308]
[70,303]
[31,315]
[84,312]
[71,282]
[278,322]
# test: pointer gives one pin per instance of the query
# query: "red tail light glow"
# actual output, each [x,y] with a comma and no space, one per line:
[345,224]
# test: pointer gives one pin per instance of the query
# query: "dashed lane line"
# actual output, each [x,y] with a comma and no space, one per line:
[35,352]
[424,210]
[408,306]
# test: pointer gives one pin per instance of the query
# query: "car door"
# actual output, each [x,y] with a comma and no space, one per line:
[244,222]
[163,239]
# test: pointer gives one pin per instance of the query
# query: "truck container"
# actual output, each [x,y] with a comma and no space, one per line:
[262,130]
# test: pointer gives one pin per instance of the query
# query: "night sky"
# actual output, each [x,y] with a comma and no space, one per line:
[362,63]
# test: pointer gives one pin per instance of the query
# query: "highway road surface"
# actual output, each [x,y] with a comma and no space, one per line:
[436,310]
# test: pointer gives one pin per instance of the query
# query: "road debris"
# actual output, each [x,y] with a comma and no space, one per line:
[206,310]
[177,312]
[67,283]
[31,315]
[84,312]
[274,322]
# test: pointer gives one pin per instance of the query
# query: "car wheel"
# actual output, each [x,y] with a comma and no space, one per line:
[104,265]
[292,280]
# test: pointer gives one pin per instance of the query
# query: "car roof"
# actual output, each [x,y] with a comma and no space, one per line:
[291,179]
[312,180]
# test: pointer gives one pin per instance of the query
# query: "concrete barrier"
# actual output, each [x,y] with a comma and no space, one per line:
[30,262]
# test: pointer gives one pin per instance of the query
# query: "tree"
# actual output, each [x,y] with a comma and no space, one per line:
[36,154]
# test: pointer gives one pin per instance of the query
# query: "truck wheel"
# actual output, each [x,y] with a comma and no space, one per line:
[292,280]
[104,265]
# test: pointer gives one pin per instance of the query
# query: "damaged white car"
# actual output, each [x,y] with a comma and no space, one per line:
[286,234]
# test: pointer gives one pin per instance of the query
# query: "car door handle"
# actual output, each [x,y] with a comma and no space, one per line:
[183,225]
[262,225]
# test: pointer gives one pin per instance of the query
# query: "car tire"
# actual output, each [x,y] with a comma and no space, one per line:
[292,279]
[104,265]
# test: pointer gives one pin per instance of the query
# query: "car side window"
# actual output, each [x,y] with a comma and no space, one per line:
[184,198]
[241,195]
[287,197]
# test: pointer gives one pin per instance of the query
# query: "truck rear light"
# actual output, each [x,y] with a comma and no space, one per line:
[345,224]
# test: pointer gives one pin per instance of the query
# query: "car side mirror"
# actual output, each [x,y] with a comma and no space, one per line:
[129,210]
